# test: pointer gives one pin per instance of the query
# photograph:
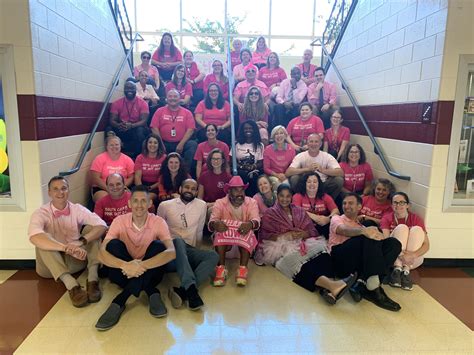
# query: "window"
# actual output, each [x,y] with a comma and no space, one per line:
[12,196]
[292,20]
[249,16]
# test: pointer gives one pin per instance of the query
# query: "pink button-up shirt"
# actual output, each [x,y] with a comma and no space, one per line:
[298,94]
[329,93]
[64,229]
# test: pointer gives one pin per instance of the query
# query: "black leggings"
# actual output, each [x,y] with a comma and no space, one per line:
[319,266]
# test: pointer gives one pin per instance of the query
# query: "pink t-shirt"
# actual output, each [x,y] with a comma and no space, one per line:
[211,78]
[186,90]
[334,141]
[167,58]
[64,229]
[389,222]
[243,87]
[336,221]
[104,165]
[213,185]
[277,161]
[371,208]
[300,129]
[261,57]
[165,120]
[355,178]
[320,206]
[213,115]
[271,76]
[152,72]
[107,208]
[129,111]
[150,167]
[234,58]
[203,150]
[136,241]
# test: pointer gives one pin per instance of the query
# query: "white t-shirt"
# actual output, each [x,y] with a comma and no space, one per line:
[244,150]
[325,160]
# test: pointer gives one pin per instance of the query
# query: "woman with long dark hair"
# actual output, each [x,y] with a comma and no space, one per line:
[179,83]
[206,147]
[218,76]
[213,110]
[167,56]
[173,172]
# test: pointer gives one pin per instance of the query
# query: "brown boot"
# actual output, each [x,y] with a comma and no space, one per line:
[93,291]
[78,296]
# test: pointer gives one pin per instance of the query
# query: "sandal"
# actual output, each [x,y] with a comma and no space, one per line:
[327,296]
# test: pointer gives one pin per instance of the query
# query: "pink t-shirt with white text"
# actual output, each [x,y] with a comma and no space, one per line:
[320,206]
[165,120]
[371,208]
[300,129]
[213,115]
[150,167]
[107,208]
[355,178]
[271,76]
[104,165]
[277,161]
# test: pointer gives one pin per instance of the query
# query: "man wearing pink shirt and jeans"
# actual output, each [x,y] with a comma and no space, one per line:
[136,248]
[61,250]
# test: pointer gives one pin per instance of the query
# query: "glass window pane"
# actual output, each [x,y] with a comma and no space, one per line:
[292,19]
[204,16]
[204,44]
[153,18]
[291,47]
[249,16]
[464,188]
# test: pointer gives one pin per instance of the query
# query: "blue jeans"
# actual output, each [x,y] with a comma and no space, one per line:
[194,266]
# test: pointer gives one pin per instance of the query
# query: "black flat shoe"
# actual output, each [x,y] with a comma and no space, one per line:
[380,299]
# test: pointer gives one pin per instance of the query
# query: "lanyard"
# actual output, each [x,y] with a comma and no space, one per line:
[130,111]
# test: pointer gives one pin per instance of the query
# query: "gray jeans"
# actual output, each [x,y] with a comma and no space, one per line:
[194,266]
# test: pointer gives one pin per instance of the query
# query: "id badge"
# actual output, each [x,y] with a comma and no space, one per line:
[173,132]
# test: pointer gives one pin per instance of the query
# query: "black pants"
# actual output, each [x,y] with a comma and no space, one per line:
[282,115]
[313,270]
[366,256]
[150,278]
[132,139]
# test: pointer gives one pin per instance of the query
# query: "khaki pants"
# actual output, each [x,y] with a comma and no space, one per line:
[53,264]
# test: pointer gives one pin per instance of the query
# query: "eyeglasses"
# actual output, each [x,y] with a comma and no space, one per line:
[250,71]
[254,93]
[183,220]
[399,203]
[354,152]
[216,65]
[216,159]
[146,57]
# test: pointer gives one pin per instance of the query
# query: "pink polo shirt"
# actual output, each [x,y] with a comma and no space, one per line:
[104,165]
[186,90]
[371,208]
[203,150]
[299,129]
[355,178]
[150,167]
[137,241]
[64,229]
[277,161]
[271,76]
[213,115]
[129,111]
[107,208]
[336,221]
[243,87]
[211,78]
[334,141]
[165,120]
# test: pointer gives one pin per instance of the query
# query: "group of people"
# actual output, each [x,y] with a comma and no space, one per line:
[304,199]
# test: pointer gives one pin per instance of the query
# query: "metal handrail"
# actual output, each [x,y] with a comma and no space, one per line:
[378,149]
[114,85]
[125,30]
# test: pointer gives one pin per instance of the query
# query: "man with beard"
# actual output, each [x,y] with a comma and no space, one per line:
[175,125]
[233,219]
[128,119]
[354,247]
[136,248]
[185,216]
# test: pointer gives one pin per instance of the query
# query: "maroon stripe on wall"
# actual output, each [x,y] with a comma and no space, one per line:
[403,122]
[47,117]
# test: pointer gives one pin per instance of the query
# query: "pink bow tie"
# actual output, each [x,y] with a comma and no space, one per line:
[64,212]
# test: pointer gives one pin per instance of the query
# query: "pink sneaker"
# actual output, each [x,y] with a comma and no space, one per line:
[241,277]
[221,276]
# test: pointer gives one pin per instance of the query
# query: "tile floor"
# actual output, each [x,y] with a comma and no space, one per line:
[270,315]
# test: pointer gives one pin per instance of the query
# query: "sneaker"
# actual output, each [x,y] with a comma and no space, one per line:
[241,277]
[380,299]
[406,282]
[221,276]
[177,296]
[110,317]
[395,278]
[157,307]
[194,300]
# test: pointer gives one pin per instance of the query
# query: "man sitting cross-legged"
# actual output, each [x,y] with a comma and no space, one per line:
[137,246]
[61,250]
[185,216]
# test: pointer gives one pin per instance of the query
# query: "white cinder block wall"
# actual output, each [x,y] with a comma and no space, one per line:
[393,53]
